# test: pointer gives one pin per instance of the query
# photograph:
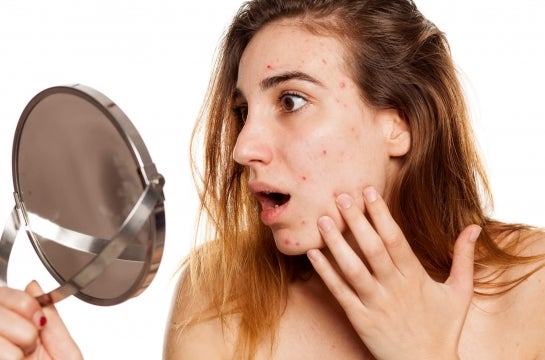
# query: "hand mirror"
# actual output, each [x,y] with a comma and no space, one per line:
[88,195]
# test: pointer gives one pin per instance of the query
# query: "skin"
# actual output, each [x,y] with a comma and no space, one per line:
[370,297]
[313,136]
[29,332]
[331,131]
[334,156]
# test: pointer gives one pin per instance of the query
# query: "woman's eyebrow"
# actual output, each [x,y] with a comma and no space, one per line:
[272,81]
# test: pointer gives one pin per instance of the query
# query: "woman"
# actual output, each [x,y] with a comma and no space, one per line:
[332,110]
[346,203]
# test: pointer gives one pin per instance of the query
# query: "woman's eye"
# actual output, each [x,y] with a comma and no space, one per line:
[292,102]
[241,112]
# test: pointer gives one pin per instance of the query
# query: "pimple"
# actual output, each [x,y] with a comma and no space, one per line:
[287,241]
[297,244]
[303,222]
[269,67]
[324,152]
[304,178]
[342,85]
[324,61]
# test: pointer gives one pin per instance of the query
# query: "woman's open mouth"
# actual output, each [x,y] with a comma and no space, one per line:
[273,205]
[272,200]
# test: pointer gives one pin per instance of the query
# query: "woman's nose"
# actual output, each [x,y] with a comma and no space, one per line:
[253,144]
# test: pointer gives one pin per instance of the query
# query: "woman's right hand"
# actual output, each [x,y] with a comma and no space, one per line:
[28,331]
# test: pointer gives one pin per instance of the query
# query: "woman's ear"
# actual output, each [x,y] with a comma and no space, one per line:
[397,132]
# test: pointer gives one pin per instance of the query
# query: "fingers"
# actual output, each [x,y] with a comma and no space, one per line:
[390,234]
[333,280]
[349,263]
[383,245]
[21,319]
[55,337]
[461,272]
[367,239]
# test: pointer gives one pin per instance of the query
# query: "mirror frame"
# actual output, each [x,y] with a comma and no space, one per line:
[147,173]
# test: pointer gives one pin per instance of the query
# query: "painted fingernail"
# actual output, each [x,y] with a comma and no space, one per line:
[370,194]
[344,201]
[324,223]
[39,319]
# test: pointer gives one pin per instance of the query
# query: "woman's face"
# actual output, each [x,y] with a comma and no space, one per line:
[307,136]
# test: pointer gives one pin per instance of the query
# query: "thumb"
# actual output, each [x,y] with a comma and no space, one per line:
[50,312]
[54,335]
[461,272]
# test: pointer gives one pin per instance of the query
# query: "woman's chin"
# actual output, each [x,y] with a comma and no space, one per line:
[296,247]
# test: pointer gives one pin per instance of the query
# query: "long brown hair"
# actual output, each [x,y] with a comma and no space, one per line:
[400,60]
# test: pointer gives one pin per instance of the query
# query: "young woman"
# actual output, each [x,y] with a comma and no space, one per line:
[346,205]
[347,200]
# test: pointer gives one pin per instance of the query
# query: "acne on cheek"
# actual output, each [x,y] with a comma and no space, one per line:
[269,67]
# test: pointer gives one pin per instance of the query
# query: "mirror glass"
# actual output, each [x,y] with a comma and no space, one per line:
[79,170]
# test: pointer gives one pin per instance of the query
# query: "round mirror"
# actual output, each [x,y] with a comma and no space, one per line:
[88,195]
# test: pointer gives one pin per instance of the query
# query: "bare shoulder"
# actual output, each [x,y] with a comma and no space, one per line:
[510,325]
[530,294]
[192,331]
[522,309]
[532,288]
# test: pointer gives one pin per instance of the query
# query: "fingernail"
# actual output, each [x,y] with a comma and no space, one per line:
[370,194]
[313,254]
[474,235]
[39,319]
[344,201]
[324,223]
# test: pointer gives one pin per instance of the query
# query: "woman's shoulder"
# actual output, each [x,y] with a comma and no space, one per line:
[520,311]
[507,322]
[526,274]
[193,330]
[531,290]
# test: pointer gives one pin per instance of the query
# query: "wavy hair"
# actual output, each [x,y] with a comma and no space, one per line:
[399,60]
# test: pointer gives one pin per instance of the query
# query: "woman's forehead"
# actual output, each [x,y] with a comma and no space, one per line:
[289,46]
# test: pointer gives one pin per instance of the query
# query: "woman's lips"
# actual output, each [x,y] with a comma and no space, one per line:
[273,205]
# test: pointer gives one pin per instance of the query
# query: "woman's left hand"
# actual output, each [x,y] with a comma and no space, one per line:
[396,308]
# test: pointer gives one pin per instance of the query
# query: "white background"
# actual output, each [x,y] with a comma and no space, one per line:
[153,59]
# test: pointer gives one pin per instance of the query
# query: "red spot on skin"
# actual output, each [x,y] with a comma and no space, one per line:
[342,85]
[303,222]
[324,61]
[324,152]
[287,242]
[304,178]
[269,67]
[297,244]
